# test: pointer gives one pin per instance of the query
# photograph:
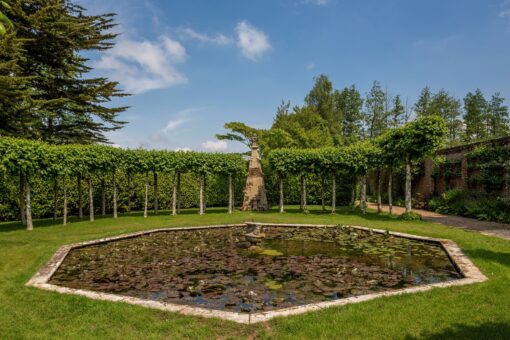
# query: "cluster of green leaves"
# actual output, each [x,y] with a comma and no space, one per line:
[418,140]
[4,20]
[35,157]
[491,164]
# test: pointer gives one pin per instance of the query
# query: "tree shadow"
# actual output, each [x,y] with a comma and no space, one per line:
[489,330]
[499,257]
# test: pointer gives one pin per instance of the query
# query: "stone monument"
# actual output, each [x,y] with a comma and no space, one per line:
[255,198]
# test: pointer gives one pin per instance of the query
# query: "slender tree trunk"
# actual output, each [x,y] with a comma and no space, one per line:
[179,196]
[230,194]
[30,225]
[379,185]
[174,196]
[205,192]
[80,202]
[323,193]
[333,195]
[408,197]
[55,198]
[91,201]
[155,193]
[103,197]
[130,192]
[64,185]
[353,194]
[281,195]
[114,195]
[201,193]
[22,198]
[390,191]
[363,194]
[146,196]
[304,207]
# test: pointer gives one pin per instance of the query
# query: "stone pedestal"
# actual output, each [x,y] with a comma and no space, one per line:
[255,198]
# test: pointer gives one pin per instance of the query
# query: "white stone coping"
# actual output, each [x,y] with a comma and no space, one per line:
[471,274]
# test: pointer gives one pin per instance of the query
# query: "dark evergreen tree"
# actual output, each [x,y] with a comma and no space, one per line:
[422,106]
[376,116]
[67,107]
[497,117]
[449,108]
[350,104]
[397,113]
[475,113]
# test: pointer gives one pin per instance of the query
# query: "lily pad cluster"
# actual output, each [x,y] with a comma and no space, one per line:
[225,269]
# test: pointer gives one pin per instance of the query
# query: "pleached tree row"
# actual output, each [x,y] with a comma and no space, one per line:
[60,164]
[402,147]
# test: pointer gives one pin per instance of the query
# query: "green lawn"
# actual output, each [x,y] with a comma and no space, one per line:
[474,311]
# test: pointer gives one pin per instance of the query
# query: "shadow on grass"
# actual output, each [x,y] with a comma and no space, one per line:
[294,210]
[502,258]
[489,330]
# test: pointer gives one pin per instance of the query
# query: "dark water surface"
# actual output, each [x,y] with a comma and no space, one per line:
[242,269]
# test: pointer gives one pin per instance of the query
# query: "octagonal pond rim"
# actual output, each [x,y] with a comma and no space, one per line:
[469,272]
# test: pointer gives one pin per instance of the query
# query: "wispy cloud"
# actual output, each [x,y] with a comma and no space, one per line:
[141,66]
[316,2]
[217,39]
[215,146]
[310,66]
[252,41]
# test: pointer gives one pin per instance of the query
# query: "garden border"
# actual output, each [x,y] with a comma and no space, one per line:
[471,274]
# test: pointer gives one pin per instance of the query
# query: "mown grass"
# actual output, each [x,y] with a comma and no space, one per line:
[478,311]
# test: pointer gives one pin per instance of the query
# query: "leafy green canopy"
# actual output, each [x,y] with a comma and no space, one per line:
[35,157]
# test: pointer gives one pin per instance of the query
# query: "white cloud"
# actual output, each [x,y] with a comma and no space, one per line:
[172,124]
[218,39]
[310,66]
[142,66]
[316,2]
[183,149]
[252,41]
[215,146]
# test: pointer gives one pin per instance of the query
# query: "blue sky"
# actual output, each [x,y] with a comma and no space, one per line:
[194,65]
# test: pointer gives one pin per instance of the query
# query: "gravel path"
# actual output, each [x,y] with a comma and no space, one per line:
[496,229]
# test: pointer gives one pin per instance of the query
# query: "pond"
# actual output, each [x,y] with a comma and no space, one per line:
[253,268]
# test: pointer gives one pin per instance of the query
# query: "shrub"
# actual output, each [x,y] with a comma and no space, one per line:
[410,216]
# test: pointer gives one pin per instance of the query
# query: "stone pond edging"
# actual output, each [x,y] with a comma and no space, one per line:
[470,274]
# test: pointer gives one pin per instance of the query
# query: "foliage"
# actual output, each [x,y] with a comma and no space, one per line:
[475,204]
[53,98]
[410,216]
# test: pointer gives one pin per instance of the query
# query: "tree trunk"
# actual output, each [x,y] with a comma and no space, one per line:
[379,185]
[363,194]
[323,198]
[103,197]
[55,198]
[91,201]
[201,193]
[22,198]
[230,195]
[155,193]
[130,192]
[174,196]
[408,197]
[80,203]
[146,196]
[64,185]
[205,192]
[179,192]
[333,195]
[30,225]
[281,195]
[353,195]
[114,195]
[390,192]
[304,207]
